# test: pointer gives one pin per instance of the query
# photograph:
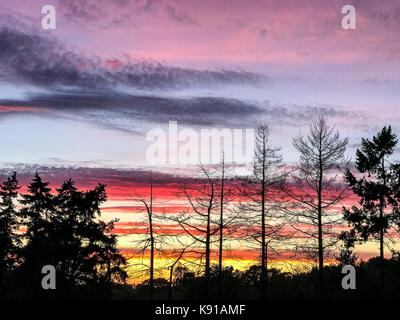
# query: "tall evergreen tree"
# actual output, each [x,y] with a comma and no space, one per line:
[377,193]
[10,241]
[86,251]
[64,234]
[37,212]
[102,260]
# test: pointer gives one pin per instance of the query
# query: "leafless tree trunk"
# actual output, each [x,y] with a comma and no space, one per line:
[149,210]
[315,188]
[259,189]
[200,224]
[149,243]
[171,271]
[227,217]
[221,226]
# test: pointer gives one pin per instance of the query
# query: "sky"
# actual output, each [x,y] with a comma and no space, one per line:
[79,100]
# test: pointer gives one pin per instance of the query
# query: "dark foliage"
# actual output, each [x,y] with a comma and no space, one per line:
[377,189]
[62,230]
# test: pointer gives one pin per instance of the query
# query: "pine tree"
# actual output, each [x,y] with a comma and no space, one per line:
[10,241]
[37,212]
[378,204]
[65,226]
[92,255]
[86,252]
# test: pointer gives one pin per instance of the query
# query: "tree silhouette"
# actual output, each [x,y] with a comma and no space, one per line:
[377,191]
[200,222]
[315,189]
[221,224]
[151,239]
[37,213]
[64,231]
[172,268]
[10,241]
[100,260]
[259,191]
[227,192]
[86,250]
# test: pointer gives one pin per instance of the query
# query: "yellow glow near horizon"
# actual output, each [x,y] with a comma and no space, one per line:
[138,272]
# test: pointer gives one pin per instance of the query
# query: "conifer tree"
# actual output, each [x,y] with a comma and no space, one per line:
[378,205]
[10,241]
[64,231]
[86,249]
[37,212]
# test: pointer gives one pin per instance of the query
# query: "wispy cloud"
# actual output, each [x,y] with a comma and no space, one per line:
[37,59]
[124,111]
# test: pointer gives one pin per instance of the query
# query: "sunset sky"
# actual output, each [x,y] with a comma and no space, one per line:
[78,101]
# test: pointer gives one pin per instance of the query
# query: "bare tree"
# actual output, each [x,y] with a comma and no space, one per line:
[315,188]
[260,205]
[179,255]
[227,192]
[221,225]
[200,222]
[149,242]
